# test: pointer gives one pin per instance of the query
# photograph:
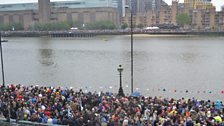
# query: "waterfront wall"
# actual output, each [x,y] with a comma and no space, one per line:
[95,33]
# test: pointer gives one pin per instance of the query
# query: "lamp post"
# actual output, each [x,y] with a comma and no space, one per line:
[120,91]
[132,59]
[3,75]
[132,66]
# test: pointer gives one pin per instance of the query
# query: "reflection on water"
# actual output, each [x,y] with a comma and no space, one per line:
[172,63]
[46,57]
[188,57]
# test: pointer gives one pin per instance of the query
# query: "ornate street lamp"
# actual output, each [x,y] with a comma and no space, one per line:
[120,92]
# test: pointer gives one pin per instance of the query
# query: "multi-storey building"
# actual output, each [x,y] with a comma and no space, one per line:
[84,11]
[174,11]
[44,11]
[132,6]
[146,12]
[196,19]
[148,5]
[141,6]
[203,15]
[119,8]
[195,4]
[219,20]
[165,14]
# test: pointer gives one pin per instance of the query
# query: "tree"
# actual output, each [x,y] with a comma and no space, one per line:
[16,26]
[51,26]
[76,24]
[123,26]
[11,26]
[183,19]
[67,25]
[100,25]
[140,25]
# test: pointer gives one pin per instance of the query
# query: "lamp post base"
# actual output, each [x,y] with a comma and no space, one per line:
[121,92]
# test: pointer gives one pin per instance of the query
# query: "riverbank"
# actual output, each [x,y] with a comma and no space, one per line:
[92,33]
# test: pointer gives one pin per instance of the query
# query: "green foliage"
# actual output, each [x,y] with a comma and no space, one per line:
[140,25]
[183,19]
[124,26]
[67,25]
[100,25]
[133,25]
[17,26]
[9,26]
[76,24]
[51,26]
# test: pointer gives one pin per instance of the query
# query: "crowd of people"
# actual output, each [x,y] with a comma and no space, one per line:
[64,106]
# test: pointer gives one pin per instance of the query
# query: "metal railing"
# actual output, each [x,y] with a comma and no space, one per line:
[13,122]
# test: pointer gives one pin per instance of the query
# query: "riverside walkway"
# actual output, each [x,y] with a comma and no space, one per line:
[64,106]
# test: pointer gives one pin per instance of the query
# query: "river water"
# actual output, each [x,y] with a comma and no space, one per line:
[168,66]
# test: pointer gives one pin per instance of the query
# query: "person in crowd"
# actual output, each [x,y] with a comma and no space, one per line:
[64,106]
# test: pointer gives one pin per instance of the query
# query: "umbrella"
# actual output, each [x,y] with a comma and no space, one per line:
[135,94]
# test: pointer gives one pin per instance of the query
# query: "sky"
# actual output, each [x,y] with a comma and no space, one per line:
[217,3]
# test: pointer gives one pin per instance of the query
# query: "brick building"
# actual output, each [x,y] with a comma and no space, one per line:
[45,11]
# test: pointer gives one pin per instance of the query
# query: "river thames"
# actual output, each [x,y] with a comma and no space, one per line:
[168,66]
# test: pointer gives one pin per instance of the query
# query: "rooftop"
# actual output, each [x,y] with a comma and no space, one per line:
[60,4]
[18,7]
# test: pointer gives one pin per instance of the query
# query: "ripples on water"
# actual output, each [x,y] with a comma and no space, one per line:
[172,63]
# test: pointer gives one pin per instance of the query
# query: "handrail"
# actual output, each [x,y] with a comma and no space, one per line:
[24,123]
